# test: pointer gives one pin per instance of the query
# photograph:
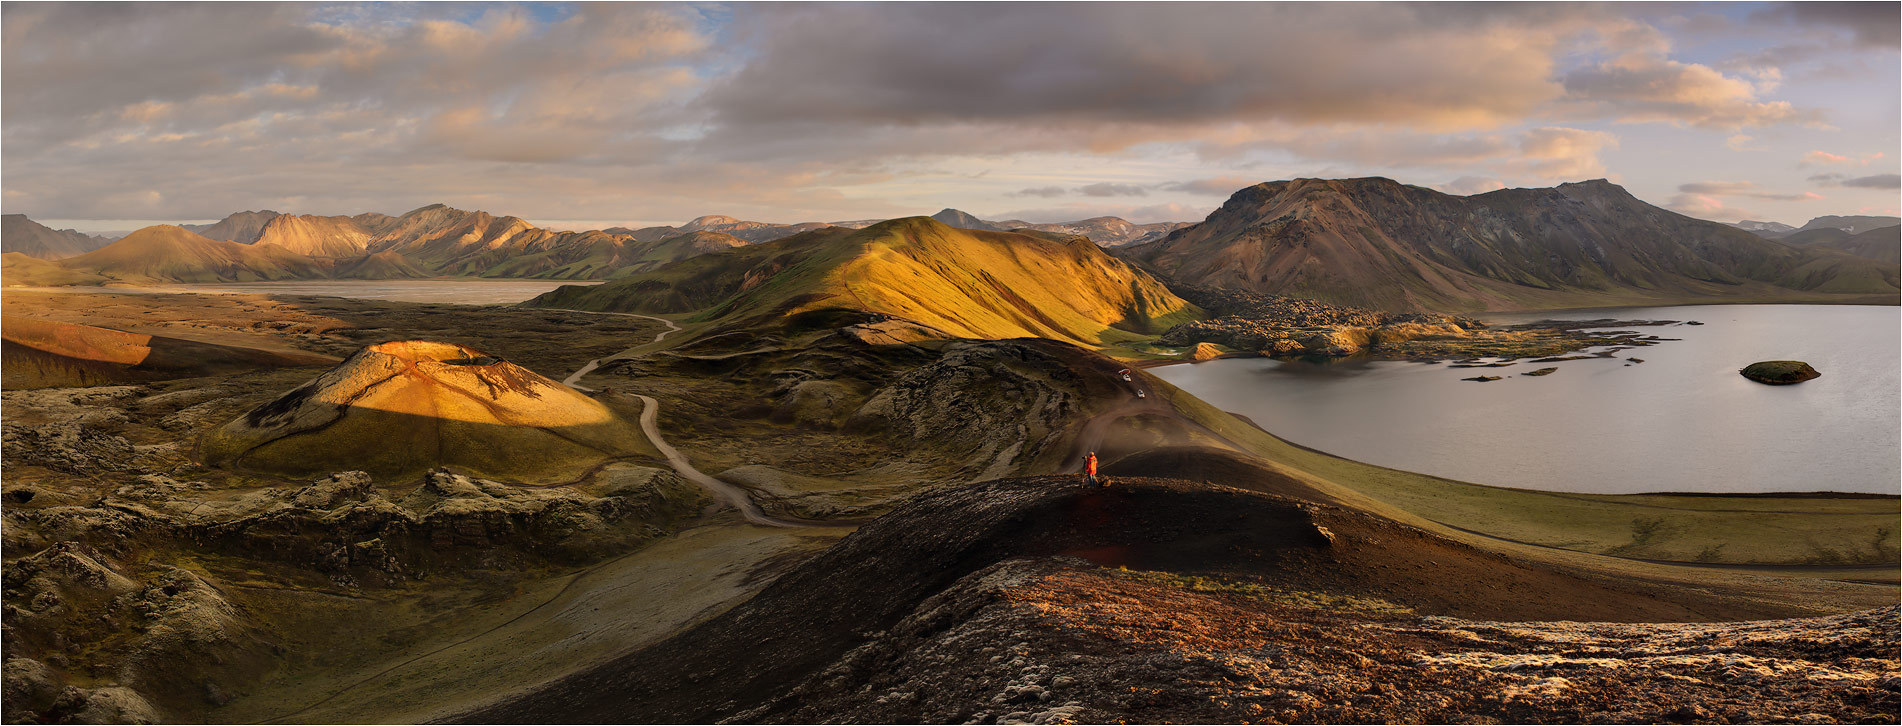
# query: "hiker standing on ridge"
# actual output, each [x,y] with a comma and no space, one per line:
[1089,471]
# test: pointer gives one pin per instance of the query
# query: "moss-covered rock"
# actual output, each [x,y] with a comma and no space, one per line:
[1779,372]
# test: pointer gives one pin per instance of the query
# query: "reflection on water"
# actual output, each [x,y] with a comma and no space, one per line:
[1682,420]
[466,292]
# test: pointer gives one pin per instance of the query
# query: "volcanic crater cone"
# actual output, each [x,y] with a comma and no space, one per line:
[404,407]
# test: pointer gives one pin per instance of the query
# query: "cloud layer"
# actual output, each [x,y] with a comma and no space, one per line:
[828,111]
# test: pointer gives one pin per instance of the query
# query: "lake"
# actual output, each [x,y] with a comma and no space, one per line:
[464,291]
[1683,420]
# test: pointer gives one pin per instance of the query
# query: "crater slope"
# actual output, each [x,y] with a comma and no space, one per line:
[404,407]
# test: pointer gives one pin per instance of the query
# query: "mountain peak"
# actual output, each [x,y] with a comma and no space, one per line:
[963,220]
[1596,185]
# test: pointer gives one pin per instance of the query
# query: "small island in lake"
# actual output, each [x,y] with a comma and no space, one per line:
[1779,372]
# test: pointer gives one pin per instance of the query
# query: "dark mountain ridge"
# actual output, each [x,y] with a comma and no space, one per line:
[1377,243]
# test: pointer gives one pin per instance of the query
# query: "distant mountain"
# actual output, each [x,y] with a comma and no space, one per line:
[967,283]
[168,253]
[1847,224]
[242,227]
[315,236]
[1772,230]
[964,220]
[646,234]
[1850,224]
[1110,231]
[1880,243]
[611,257]
[436,240]
[378,266]
[748,231]
[30,238]
[1381,244]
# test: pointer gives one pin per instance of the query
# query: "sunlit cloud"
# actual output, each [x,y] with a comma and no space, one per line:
[841,111]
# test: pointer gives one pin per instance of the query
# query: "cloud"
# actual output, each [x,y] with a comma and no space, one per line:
[1645,89]
[1221,186]
[1871,24]
[815,111]
[1706,207]
[1046,192]
[1142,64]
[1740,142]
[1140,214]
[1824,158]
[1877,181]
[1470,185]
[1107,189]
[1543,154]
[1743,189]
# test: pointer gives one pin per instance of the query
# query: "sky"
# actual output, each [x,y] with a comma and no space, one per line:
[593,115]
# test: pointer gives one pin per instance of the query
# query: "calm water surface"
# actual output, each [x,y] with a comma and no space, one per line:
[1681,421]
[467,292]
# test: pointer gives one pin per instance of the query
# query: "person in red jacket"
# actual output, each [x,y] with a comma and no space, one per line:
[1089,471]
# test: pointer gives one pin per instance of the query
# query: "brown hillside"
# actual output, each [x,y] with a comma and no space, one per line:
[1381,244]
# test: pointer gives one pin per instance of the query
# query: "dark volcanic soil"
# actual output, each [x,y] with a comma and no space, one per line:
[1256,544]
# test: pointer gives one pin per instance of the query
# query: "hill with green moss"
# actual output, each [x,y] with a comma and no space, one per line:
[1378,243]
[972,283]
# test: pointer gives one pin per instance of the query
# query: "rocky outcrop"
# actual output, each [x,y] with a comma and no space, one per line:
[1779,372]
[155,639]
[996,402]
[1277,325]
[1027,642]
[158,642]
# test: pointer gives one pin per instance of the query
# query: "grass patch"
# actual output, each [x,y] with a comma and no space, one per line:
[1711,529]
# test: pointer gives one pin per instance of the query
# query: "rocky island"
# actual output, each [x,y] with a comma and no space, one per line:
[1779,372]
[1279,326]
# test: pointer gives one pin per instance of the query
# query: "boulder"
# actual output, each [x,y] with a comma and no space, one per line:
[1779,372]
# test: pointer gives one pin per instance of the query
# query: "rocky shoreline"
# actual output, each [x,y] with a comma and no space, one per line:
[1277,326]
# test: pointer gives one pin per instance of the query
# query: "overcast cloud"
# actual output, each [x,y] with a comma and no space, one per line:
[659,113]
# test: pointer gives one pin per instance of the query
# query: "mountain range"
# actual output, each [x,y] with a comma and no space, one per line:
[438,240]
[1365,242]
[1378,243]
[1852,224]
[1880,243]
[432,241]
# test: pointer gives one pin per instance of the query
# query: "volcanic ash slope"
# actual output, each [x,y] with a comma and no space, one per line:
[400,408]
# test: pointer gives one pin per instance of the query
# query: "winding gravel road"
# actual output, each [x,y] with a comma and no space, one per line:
[650,426]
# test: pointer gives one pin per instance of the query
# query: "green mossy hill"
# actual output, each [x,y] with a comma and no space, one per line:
[400,408]
[1779,372]
[22,270]
[969,283]
[380,266]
